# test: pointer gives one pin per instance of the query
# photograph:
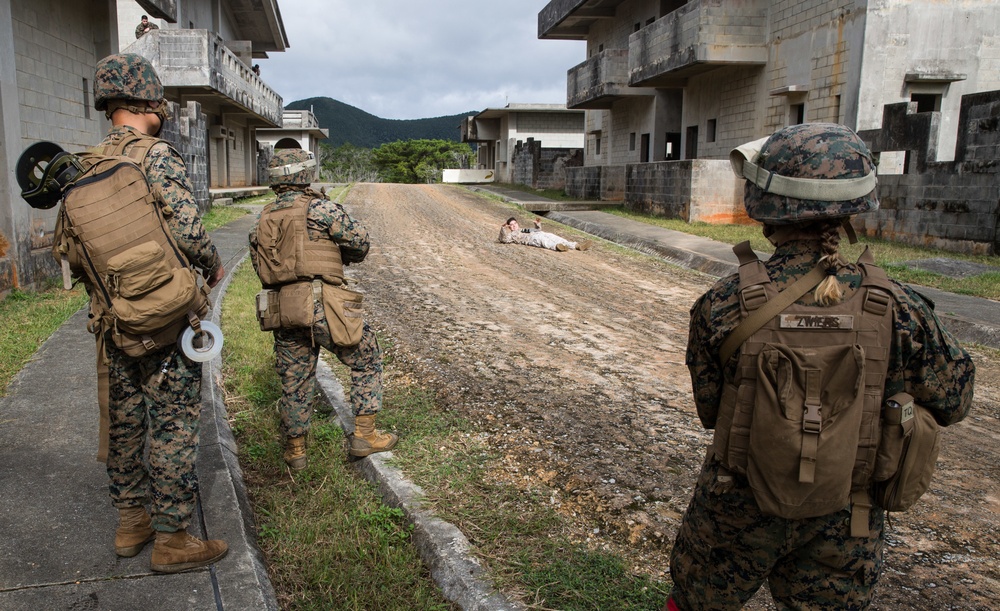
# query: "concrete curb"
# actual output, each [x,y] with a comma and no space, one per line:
[242,579]
[441,545]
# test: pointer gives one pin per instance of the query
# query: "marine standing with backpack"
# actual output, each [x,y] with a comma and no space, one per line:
[156,396]
[778,499]
[299,247]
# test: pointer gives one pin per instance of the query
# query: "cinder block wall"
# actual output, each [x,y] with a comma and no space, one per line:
[951,205]
[542,167]
[187,132]
[692,190]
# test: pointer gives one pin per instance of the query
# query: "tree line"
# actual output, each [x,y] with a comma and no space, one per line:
[404,161]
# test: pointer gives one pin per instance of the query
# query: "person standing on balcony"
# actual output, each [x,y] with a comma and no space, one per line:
[145,26]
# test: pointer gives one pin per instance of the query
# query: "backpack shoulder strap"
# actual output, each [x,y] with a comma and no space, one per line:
[759,317]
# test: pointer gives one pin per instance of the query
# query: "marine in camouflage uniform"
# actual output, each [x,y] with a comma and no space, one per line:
[511,233]
[156,396]
[726,547]
[296,350]
[145,23]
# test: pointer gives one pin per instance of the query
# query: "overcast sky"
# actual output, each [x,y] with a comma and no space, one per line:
[400,59]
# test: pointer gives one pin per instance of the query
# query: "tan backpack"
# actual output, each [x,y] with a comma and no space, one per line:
[111,230]
[802,418]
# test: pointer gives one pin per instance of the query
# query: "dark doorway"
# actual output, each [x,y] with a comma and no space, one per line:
[691,146]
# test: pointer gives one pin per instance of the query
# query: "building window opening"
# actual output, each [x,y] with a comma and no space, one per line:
[927,102]
[669,6]
[631,141]
[710,131]
[797,114]
[644,149]
[86,99]
[637,27]
[672,148]
[691,145]
[597,146]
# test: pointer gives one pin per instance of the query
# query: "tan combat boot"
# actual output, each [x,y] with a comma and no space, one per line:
[177,552]
[584,245]
[366,440]
[134,531]
[295,453]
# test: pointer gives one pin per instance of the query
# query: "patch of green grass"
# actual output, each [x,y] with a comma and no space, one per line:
[256,200]
[330,542]
[556,194]
[221,215]
[29,318]
[516,534]
[573,578]
[889,255]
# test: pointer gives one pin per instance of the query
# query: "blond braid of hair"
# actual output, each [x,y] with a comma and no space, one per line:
[828,292]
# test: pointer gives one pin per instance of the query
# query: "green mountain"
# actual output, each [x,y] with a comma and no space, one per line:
[349,124]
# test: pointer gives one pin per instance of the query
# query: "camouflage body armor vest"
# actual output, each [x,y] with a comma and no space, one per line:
[285,252]
[801,418]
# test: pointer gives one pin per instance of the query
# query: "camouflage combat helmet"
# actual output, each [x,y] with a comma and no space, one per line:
[806,172]
[291,167]
[126,76]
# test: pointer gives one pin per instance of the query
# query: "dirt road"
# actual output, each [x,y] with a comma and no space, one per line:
[573,364]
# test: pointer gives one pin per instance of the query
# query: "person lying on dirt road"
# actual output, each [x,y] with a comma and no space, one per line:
[511,233]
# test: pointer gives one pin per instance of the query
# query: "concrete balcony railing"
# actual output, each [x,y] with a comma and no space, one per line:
[601,80]
[196,62]
[572,19]
[299,119]
[700,36]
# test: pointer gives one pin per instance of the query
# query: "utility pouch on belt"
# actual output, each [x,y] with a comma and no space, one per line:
[907,453]
[268,314]
[296,305]
[343,314]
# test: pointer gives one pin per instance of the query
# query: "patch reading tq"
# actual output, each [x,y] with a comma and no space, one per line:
[817,321]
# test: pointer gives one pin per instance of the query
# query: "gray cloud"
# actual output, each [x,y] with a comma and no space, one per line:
[400,59]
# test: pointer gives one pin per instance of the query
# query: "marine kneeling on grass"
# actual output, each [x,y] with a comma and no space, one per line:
[299,247]
[825,383]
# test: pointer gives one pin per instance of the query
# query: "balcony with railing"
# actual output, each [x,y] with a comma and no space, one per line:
[698,37]
[572,19]
[600,81]
[196,64]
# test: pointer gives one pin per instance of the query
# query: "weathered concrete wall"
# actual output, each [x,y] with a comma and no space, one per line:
[950,205]
[596,182]
[48,50]
[187,132]
[543,168]
[691,190]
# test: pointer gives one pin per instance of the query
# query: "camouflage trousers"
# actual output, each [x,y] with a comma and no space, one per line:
[295,355]
[726,548]
[153,434]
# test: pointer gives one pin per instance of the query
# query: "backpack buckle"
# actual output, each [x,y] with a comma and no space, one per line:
[876,302]
[753,297]
[812,422]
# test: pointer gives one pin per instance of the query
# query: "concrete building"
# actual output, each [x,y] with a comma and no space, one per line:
[529,144]
[670,86]
[48,52]
[204,52]
[299,129]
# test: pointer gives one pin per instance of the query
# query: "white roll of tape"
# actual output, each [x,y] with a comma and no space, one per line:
[209,342]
